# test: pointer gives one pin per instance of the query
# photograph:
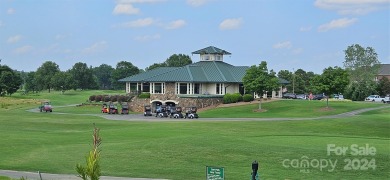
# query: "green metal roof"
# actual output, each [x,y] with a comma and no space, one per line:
[203,71]
[211,50]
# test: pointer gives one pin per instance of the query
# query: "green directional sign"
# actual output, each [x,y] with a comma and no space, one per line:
[215,173]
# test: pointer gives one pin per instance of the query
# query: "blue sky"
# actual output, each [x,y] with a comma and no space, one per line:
[307,34]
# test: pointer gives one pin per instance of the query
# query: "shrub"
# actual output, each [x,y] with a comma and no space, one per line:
[144,95]
[114,98]
[122,98]
[247,98]
[236,97]
[227,98]
[107,98]
[98,98]
[92,98]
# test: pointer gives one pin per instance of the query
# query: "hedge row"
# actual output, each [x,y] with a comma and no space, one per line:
[236,97]
[108,98]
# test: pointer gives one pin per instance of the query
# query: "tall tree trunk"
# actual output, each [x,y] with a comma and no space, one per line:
[260,103]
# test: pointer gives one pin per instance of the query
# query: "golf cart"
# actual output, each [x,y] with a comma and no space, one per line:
[147,110]
[112,109]
[125,108]
[162,111]
[105,108]
[191,113]
[176,113]
[45,106]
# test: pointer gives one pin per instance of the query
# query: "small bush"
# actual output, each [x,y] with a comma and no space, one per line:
[107,98]
[114,98]
[144,95]
[122,98]
[92,98]
[236,97]
[98,98]
[247,98]
[227,98]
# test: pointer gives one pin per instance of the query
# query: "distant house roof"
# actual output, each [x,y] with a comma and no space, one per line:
[211,50]
[384,70]
[203,71]
[283,81]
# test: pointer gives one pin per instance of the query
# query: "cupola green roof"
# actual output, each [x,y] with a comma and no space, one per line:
[211,50]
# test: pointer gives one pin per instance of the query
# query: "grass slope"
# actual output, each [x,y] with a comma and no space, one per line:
[54,143]
[287,108]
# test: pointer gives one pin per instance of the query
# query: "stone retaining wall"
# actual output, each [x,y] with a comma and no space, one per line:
[137,104]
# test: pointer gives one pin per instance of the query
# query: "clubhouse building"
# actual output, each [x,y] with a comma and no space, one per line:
[200,84]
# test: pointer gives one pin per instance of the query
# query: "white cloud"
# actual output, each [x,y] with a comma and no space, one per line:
[233,23]
[176,24]
[14,39]
[11,11]
[305,28]
[286,44]
[125,9]
[23,49]
[147,37]
[99,46]
[338,23]
[138,23]
[357,7]
[197,3]
[126,6]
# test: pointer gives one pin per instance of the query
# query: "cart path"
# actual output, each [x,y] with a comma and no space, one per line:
[142,118]
[45,176]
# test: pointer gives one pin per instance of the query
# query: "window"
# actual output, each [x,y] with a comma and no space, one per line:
[217,90]
[157,88]
[145,87]
[197,88]
[207,57]
[182,88]
[133,87]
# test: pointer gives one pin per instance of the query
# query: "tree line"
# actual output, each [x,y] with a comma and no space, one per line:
[81,76]
[355,81]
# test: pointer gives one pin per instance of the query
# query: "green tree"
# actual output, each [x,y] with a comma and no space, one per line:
[175,60]
[83,76]
[63,81]
[259,80]
[178,60]
[10,81]
[155,65]
[123,69]
[30,82]
[45,73]
[362,65]
[331,81]
[103,74]
[383,87]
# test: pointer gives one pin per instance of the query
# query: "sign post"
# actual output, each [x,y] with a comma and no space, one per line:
[215,173]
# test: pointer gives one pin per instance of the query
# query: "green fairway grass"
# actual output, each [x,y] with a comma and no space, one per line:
[55,143]
[287,108]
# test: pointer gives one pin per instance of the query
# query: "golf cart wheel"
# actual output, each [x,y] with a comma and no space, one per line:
[191,117]
[51,110]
